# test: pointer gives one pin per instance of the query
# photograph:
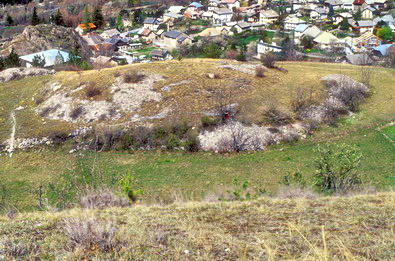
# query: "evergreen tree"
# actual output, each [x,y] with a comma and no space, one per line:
[385,33]
[344,25]
[97,18]
[35,18]
[9,20]
[358,15]
[12,60]
[120,23]
[2,64]
[87,15]
[58,18]
[38,61]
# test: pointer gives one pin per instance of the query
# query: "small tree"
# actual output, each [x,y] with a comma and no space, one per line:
[337,168]
[12,60]
[358,15]
[307,42]
[120,25]
[38,61]
[58,18]
[9,20]
[87,15]
[385,33]
[35,18]
[97,18]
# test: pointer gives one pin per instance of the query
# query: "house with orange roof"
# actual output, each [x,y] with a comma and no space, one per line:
[84,28]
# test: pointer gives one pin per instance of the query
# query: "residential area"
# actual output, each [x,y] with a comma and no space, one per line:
[358,32]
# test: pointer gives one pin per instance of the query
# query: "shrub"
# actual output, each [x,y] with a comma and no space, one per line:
[92,90]
[172,142]
[77,112]
[302,100]
[102,199]
[269,60]
[133,77]
[192,144]
[260,72]
[209,122]
[127,186]
[337,168]
[17,250]
[58,137]
[274,116]
[90,233]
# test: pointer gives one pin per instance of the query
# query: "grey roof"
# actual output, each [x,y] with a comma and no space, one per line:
[244,25]
[158,52]
[223,11]
[150,20]
[365,23]
[181,39]
[172,34]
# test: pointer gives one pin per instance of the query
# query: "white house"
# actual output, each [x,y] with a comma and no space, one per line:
[367,13]
[268,16]
[231,3]
[51,57]
[222,15]
[325,40]
[110,33]
[264,48]
[151,23]
[291,22]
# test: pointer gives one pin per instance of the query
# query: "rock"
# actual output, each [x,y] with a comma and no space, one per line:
[19,73]
[44,37]
[211,75]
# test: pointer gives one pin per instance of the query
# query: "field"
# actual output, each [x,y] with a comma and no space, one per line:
[347,228]
[164,176]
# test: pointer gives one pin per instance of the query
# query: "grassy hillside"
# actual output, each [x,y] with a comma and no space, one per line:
[351,228]
[162,174]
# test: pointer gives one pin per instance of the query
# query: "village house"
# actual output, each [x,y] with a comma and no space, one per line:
[264,48]
[341,16]
[312,32]
[173,39]
[268,16]
[241,27]
[107,34]
[291,22]
[222,16]
[367,13]
[359,5]
[230,4]
[82,29]
[94,41]
[151,23]
[348,5]
[363,26]
[299,32]
[326,40]
[51,57]
[159,54]
[147,35]
[213,4]
[378,4]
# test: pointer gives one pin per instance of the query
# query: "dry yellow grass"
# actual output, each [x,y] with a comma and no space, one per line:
[332,228]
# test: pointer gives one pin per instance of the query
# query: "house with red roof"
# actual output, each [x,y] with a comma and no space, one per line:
[85,28]
[359,4]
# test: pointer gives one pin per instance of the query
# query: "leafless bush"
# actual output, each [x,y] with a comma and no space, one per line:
[238,140]
[260,71]
[18,250]
[102,199]
[92,90]
[90,233]
[58,137]
[47,110]
[366,75]
[269,60]
[290,137]
[117,74]
[302,99]
[275,116]
[296,192]
[133,77]
[77,112]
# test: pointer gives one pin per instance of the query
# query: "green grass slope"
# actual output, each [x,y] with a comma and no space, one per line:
[350,228]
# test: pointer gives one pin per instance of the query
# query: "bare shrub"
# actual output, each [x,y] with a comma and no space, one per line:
[77,112]
[292,192]
[260,71]
[92,90]
[133,77]
[302,99]
[290,137]
[117,74]
[239,140]
[269,60]
[47,110]
[102,199]
[58,137]
[90,233]
[273,115]
[18,250]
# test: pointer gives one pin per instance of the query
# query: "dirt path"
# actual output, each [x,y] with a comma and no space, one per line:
[11,140]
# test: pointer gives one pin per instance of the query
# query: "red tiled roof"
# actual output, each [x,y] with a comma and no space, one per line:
[359,2]
[85,26]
